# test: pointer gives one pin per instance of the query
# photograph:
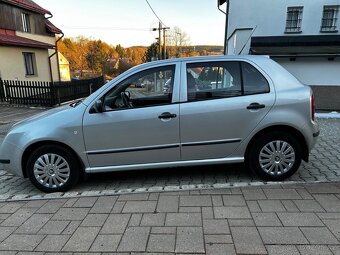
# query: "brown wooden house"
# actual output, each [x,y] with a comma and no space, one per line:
[28,42]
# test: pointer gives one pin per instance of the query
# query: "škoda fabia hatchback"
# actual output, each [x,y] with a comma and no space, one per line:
[190,111]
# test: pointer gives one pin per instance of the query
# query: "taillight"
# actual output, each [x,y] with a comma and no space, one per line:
[312,106]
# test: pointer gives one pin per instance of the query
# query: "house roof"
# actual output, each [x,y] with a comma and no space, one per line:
[28,5]
[9,38]
[52,28]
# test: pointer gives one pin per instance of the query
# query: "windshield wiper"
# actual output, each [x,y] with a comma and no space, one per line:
[75,103]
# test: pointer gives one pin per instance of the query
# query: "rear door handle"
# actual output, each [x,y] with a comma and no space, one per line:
[167,115]
[255,106]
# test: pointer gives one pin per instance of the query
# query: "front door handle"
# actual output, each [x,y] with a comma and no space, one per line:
[167,115]
[255,106]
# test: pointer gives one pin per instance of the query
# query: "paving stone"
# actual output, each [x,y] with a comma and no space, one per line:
[85,202]
[54,227]
[304,194]
[183,219]
[19,217]
[282,235]
[189,209]
[139,207]
[241,223]
[34,224]
[308,206]
[233,200]
[71,214]
[328,216]
[217,200]
[11,207]
[323,188]
[161,243]
[168,203]
[5,232]
[334,226]
[202,200]
[211,226]
[134,239]
[220,249]
[253,206]
[281,193]
[35,203]
[189,239]
[266,219]
[314,250]
[153,219]
[163,230]
[51,206]
[247,240]
[135,220]
[94,220]
[329,202]
[253,194]
[106,243]
[300,219]
[231,212]
[289,205]
[134,197]
[271,206]
[282,250]
[115,224]
[335,249]
[211,239]
[71,227]
[104,204]
[53,243]
[319,235]
[118,207]
[70,202]
[82,239]
[207,213]
[21,242]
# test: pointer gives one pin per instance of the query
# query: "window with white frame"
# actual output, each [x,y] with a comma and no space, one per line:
[294,19]
[29,60]
[329,18]
[26,24]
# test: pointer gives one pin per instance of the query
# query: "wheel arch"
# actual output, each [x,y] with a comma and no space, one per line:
[36,145]
[281,128]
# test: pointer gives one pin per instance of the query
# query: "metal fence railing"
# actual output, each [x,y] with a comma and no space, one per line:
[47,93]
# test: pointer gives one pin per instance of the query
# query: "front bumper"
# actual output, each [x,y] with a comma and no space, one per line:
[10,158]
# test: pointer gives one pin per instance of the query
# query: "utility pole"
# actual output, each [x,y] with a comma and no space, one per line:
[160,40]
[164,41]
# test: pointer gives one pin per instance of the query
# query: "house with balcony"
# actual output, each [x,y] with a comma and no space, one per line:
[301,35]
[28,43]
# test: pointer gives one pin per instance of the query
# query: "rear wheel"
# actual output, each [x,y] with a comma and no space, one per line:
[53,168]
[275,156]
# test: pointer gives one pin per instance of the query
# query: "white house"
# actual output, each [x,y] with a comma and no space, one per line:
[301,35]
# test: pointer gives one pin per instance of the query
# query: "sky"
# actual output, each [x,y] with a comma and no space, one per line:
[129,22]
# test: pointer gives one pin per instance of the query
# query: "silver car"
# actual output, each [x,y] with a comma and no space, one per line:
[225,109]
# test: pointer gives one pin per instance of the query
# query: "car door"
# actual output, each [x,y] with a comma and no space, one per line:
[224,102]
[143,130]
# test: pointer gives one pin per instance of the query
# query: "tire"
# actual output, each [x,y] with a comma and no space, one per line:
[52,168]
[275,156]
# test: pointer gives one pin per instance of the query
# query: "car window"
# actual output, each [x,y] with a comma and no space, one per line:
[253,81]
[147,88]
[213,80]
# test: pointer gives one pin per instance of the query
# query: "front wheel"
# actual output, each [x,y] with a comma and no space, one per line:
[52,168]
[275,156]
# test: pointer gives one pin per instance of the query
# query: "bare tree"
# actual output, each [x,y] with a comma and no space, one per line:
[176,40]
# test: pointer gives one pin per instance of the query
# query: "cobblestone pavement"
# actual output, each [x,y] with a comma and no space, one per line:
[288,219]
[324,166]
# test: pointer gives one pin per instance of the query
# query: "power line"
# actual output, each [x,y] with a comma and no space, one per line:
[155,13]
[107,28]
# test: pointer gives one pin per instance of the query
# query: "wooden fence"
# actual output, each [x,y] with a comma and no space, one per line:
[47,93]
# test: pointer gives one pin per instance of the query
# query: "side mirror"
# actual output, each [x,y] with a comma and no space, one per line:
[97,107]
